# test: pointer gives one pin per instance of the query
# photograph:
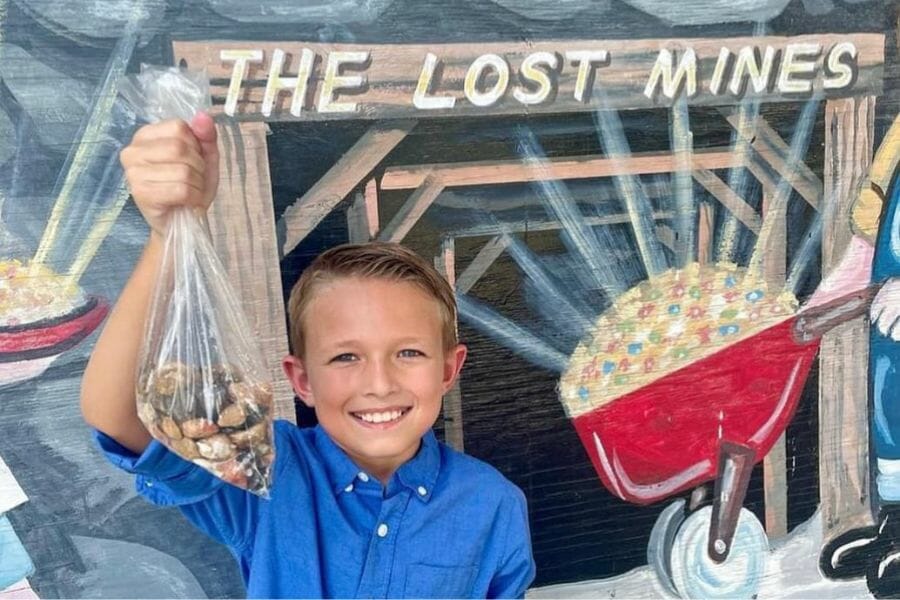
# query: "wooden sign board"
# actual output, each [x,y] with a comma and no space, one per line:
[282,81]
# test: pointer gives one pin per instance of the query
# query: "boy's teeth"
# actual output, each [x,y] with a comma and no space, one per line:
[381,417]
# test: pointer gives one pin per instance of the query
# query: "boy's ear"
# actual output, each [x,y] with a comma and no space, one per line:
[296,373]
[453,364]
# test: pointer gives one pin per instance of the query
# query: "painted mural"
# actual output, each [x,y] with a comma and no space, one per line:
[672,228]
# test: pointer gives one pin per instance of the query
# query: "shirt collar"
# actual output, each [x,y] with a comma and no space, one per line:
[419,474]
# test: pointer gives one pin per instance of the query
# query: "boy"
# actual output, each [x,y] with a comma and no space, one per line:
[366,504]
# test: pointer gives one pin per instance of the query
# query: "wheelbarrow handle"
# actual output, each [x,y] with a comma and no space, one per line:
[814,323]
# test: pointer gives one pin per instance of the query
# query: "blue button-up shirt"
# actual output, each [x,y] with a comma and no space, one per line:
[446,525]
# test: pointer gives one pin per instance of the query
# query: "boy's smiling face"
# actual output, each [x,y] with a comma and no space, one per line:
[374,368]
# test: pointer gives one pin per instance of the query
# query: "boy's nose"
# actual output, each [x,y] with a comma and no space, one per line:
[381,380]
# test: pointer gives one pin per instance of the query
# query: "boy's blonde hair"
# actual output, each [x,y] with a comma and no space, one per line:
[379,260]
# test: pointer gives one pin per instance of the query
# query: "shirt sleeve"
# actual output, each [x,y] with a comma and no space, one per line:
[223,512]
[517,570]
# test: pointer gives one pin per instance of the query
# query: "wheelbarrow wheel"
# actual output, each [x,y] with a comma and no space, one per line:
[659,548]
[696,575]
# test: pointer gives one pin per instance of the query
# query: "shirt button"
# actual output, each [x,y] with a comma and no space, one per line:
[422,491]
[363,477]
[382,530]
[349,488]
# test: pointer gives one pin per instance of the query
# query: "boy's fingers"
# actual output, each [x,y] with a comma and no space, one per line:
[165,173]
[176,128]
[162,151]
[162,195]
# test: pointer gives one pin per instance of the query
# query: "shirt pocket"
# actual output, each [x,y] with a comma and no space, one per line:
[432,581]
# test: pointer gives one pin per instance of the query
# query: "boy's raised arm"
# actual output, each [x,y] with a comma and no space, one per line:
[168,165]
[107,389]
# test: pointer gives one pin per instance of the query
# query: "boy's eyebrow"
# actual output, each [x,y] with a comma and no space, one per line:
[353,343]
[341,344]
[413,340]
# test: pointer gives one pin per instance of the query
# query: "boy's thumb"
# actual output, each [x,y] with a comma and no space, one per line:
[204,129]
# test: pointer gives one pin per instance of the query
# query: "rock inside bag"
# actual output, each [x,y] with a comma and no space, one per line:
[216,418]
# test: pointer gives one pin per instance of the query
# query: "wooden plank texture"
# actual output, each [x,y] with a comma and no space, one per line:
[412,210]
[729,198]
[355,165]
[481,263]
[362,214]
[582,167]
[843,358]
[452,408]
[549,225]
[775,463]
[769,146]
[242,223]
[387,76]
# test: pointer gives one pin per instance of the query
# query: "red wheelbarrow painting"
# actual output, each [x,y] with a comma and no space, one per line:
[42,315]
[691,377]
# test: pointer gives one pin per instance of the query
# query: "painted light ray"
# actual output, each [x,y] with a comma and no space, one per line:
[808,251]
[682,140]
[80,162]
[579,237]
[612,138]
[510,334]
[748,112]
[798,148]
[548,291]
[737,178]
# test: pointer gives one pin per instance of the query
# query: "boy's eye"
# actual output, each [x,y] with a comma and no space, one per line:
[346,357]
[410,353]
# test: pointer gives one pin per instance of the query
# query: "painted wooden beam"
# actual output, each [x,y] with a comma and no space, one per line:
[775,462]
[412,210]
[242,225]
[769,146]
[729,198]
[548,225]
[809,185]
[481,263]
[452,407]
[362,214]
[355,165]
[760,172]
[394,78]
[496,172]
[843,356]
[705,229]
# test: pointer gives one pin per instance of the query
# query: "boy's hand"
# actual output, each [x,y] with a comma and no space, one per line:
[171,164]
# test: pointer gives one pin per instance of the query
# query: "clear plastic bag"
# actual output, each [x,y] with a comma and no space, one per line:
[203,389]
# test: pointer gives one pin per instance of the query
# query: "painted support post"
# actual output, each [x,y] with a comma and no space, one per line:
[775,462]
[362,214]
[705,229]
[242,223]
[445,263]
[843,358]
